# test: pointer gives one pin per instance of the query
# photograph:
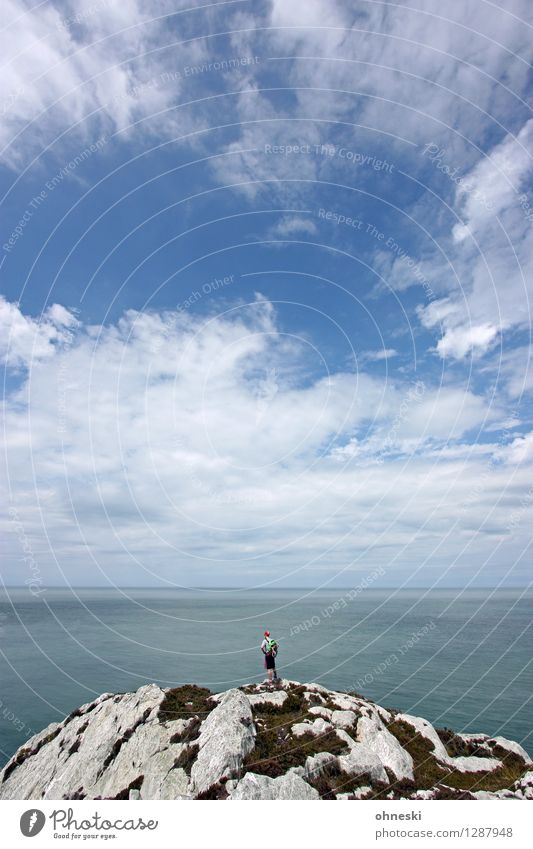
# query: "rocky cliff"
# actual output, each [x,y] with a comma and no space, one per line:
[299,741]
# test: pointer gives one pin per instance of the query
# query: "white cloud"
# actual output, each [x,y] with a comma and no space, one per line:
[65,66]
[413,63]
[460,341]
[24,340]
[291,225]
[495,181]
[380,354]
[167,443]
[495,270]
[459,338]
[515,368]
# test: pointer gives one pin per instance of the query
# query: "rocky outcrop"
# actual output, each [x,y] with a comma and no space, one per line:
[289,786]
[226,737]
[299,741]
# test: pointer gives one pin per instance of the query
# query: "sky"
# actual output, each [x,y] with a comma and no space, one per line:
[265,271]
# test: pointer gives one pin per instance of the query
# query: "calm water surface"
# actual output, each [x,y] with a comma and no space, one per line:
[460,658]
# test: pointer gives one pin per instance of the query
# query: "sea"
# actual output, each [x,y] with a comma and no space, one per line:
[460,658]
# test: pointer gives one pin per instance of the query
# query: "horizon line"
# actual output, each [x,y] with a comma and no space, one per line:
[258,589]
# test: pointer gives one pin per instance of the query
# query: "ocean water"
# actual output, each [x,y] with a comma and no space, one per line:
[460,658]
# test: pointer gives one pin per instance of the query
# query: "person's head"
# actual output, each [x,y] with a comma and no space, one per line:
[267,634]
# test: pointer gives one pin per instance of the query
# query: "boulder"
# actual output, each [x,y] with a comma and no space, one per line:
[316,764]
[277,698]
[79,758]
[361,760]
[373,734]
[288,786]
[344,702]
[319,726]
[343,718]
[318,710]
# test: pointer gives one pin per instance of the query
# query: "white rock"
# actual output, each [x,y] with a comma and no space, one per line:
[385,715]
[425,729]
[524,786]
[461,764]
[116,746]
[346,738]
[511,746]
[473,738]
[372,733]
[217,697]
[289,786]
[162,780]
[361,760]
[80,759]
[498,794]
[277,698]
[319,726]
[221,753]
[343,718]
[316,688]
[318,710]
[361,792]
[473,764]
[316,764]
[345,702]
[147,752]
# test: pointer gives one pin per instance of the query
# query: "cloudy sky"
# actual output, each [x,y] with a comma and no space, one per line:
[265,278]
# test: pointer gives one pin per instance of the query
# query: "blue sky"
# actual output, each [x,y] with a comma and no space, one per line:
[265,293]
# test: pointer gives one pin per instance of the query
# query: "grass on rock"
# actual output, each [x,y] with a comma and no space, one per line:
[429,773]
[276,748]
[185,702]
[457,747]
[186,758]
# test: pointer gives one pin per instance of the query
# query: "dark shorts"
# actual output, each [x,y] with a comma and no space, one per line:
[270,662]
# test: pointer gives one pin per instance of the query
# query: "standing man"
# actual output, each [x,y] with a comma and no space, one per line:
[270,649]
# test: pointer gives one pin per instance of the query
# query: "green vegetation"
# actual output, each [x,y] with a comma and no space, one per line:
[512,768]
[294,705]
[357,695]
[185,702]
[316,699]
[216,791]
[429,773]
[190,733]
[276,749]
[457,747]
[186,758]
[275,752]
[332,780]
